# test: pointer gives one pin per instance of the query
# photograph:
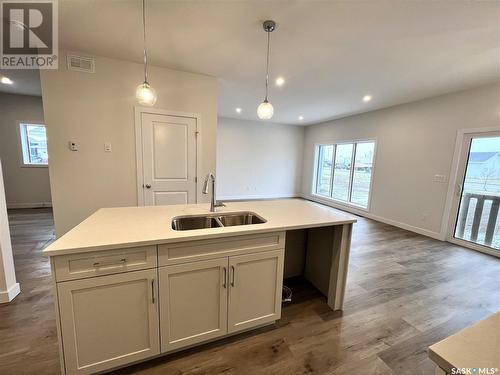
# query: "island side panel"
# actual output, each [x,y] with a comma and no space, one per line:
[340,266]
[327,261]
[295,253]
[319,257]
[58,317]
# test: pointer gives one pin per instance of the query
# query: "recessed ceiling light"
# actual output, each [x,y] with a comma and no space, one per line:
[280,81]
[301,118]
[367,98]
[6,80]
[238,110]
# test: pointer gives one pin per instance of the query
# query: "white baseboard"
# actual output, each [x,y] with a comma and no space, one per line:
[29,205]
[369,215]
[257,196]
[9,295]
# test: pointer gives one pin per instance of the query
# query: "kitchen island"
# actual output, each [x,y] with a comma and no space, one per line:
[130,287]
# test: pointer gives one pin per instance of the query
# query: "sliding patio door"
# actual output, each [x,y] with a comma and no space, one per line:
[477,201]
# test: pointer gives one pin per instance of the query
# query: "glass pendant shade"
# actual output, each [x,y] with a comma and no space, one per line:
[265,110]
[145,94]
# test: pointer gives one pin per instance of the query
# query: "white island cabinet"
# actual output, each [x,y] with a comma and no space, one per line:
[223,286]
[128,287]
[108,321]
[193,303]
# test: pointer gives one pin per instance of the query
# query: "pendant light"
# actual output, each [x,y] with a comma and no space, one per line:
[265,110]
[145,94]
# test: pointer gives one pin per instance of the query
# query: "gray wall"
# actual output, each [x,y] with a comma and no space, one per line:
[415,141]
[24,186]
[258,159]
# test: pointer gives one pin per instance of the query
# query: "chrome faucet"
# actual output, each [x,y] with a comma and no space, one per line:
[213,200]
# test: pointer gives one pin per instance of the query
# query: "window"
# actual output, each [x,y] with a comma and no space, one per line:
[33,144]
[325,160]
[344,172]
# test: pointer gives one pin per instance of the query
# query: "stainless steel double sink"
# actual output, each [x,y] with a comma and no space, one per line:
[216,220]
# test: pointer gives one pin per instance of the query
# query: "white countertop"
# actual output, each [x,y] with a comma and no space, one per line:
[477,346]
[110,228]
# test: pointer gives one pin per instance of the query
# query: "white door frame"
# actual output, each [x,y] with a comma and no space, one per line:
[138,111]
[449,216]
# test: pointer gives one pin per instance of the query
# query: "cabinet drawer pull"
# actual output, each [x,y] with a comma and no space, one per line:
[232,278]
[104,264]
[153,291]
[224,276]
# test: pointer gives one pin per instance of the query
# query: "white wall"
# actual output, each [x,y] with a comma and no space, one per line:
[92,109]
[9,288]
[24,186]
[257,159]
[415,141]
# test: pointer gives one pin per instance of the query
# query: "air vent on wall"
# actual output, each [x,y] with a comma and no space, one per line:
[81,63]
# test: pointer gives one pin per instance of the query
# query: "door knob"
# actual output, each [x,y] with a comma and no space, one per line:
[148,186]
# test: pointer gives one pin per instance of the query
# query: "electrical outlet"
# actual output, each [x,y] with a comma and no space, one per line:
[107,147]
[73,146]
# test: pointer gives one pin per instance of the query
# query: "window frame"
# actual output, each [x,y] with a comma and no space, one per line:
[22,143]
[329,198]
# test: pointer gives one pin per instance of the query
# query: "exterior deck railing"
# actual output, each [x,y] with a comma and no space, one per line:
[478,214]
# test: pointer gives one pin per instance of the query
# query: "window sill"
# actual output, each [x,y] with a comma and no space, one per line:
[335,202]
[34,165]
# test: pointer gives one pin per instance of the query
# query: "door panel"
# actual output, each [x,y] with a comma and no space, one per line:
[170,197]
[169,159]
[108,321]
[255,284]
[193,303]
[170,147]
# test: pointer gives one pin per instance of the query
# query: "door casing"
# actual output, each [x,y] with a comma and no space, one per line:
[138,111]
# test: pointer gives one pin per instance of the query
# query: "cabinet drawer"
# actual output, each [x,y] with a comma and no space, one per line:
[183,252]
[79,266]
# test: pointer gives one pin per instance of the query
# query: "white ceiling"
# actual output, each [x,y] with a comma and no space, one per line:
[331,53]
[26,82]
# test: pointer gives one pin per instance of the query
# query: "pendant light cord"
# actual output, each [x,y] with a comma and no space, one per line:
[144,41]
[267,64]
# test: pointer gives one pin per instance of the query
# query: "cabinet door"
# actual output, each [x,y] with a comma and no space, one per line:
[108,321]
[193,303]
[255,283]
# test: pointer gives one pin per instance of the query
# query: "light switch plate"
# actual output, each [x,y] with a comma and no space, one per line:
[439,178]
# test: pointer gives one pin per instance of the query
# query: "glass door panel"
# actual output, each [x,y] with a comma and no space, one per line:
[477,219]
[342,172]
[362,174]
[324,173]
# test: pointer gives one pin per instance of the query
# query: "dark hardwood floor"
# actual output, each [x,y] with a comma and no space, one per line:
[405,292]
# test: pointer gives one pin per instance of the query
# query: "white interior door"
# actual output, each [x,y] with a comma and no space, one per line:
[168,159]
